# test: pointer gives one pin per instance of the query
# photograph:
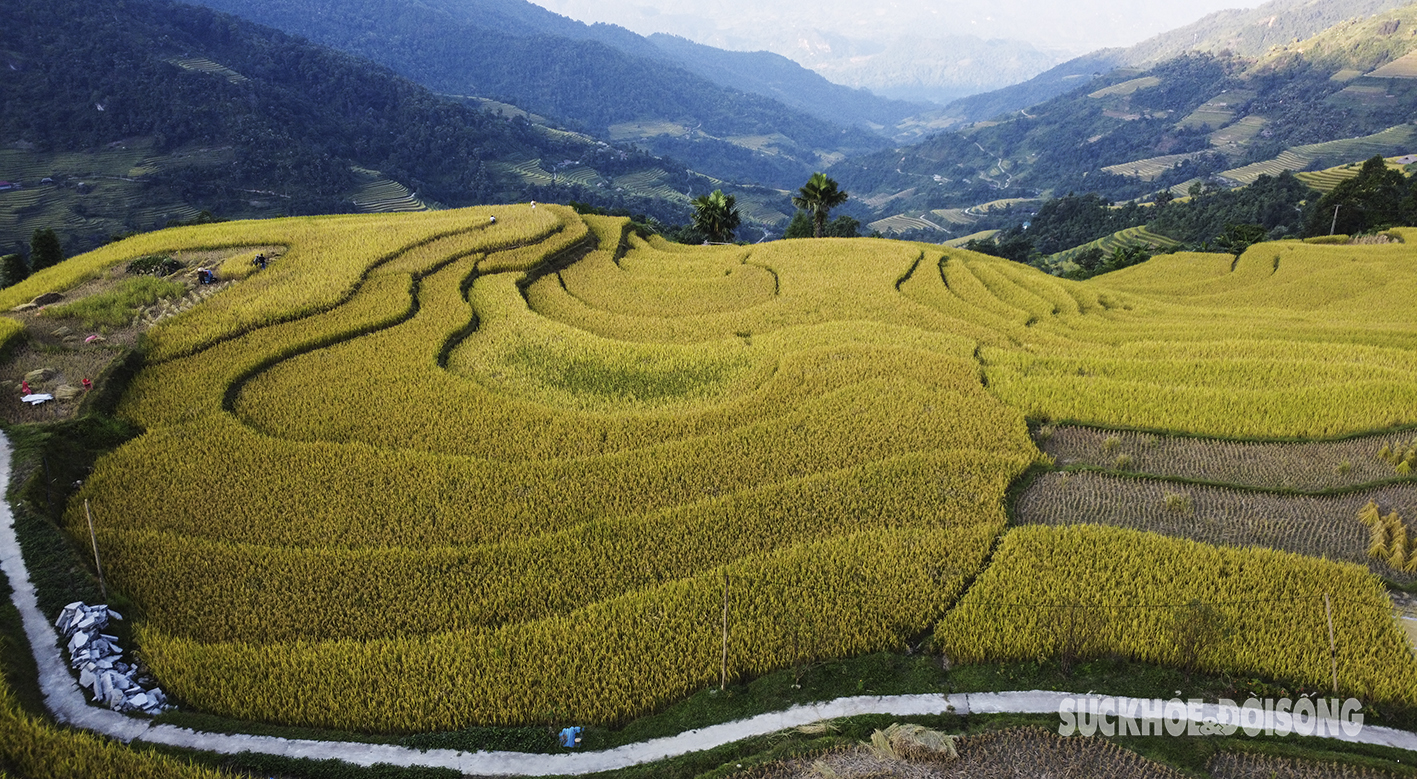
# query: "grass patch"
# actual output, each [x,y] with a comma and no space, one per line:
[117,307]
[646,379]
[48,462]
[21,674]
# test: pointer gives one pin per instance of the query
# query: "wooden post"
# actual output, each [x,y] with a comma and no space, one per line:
[1332,648]
[94,540]
[723,673]
[1334,226]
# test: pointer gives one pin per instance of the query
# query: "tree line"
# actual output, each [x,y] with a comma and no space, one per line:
[1212,219]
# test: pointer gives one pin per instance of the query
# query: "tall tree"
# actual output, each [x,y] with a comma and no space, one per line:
[818,197]
[716,215]
[841,227]
[45,249]
[1369,200]
[13,269]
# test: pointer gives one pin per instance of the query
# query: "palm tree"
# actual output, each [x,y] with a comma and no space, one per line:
[716,216]
[818,197]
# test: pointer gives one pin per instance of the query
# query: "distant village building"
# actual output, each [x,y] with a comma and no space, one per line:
[4,185]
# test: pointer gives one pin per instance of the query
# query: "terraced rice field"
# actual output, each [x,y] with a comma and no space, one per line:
[1149,169]
[1394,140]
[769,144]
[583,176]
[379,195]
[982,235]
[1289,466]
[1132,236]
[954,216]
[651,183]
[1402,67]
[630,131]
[762,209]
[30,166]
[1218,111]
[1363,95]
[1127,87]
[901,223]
[429,471]
[1313,525]
[1231,139]
[117,197]
[1003,203]
[527,171]
[204,65]
[1326,180]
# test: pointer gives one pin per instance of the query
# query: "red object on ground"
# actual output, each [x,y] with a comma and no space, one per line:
[88,384]
[25,387]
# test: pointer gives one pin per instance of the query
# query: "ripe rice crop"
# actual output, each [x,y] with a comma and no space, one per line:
[1096,590]
[1393,140]
[428,470]
[38,750]
[1314,525]
[596,664]
[615,455]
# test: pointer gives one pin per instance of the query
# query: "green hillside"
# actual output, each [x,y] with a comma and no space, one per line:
[596,81]
[210,113]
[1197,123]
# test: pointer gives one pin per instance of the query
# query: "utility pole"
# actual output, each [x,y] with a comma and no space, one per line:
[1334,226]
[1332,649]
[94,540]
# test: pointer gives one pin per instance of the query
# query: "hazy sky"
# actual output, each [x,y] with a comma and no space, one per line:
[1075,26]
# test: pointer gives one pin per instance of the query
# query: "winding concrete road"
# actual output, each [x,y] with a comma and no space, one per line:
[67,702]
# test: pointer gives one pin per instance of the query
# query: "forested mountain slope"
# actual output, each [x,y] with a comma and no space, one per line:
[1248,32]
[586,82]
[1218,121]
[150,110]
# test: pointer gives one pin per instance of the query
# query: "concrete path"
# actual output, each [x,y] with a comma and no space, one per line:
[67,703]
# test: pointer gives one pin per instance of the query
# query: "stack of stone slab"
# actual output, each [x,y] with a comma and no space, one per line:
[99,660]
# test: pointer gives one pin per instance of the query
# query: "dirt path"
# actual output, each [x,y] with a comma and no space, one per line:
[65,700]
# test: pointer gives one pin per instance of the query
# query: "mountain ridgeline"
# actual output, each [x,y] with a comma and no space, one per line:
[1250,32]
[121,118]
[1200,120]
[604,81]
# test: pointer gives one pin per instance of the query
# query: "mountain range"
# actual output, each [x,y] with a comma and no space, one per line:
[124,117]
[1203,120]
[1245,32]
[604,80]
[128,115]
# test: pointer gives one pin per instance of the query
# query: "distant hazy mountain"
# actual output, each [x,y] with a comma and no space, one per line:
[1200,119]
[915,67]
[776,76]
[1056,81]
[1249,32]
[1252,32]
[935,50]
[598,79]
